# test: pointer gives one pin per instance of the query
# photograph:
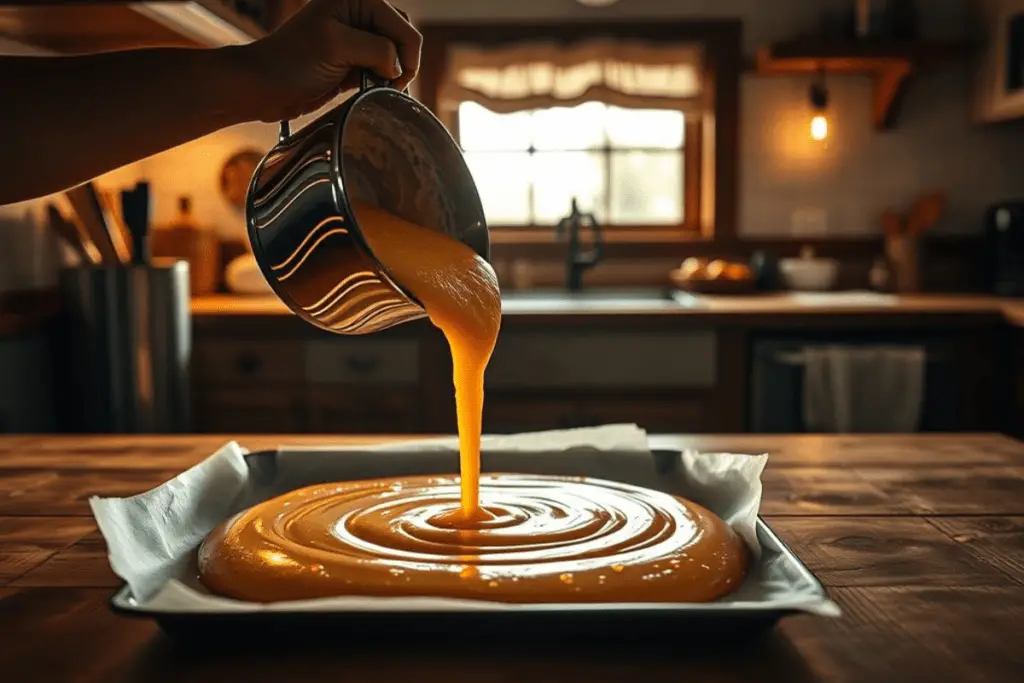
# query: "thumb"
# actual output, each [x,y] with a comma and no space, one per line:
[360,49]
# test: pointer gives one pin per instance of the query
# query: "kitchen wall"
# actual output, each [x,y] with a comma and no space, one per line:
[848,181]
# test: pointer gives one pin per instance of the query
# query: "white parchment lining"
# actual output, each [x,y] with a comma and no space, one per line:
[152,537]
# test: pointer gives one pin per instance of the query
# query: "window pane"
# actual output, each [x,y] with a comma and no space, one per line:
[503,180]
[645,128]
[560,176]
[580,127]
[646,188]
[480,129]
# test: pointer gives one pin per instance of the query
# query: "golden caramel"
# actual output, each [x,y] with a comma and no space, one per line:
[507,538]
[460,293]
[546,540]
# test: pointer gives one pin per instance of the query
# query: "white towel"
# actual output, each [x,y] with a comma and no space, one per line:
[849,390]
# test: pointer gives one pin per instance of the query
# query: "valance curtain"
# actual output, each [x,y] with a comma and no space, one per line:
[527,76]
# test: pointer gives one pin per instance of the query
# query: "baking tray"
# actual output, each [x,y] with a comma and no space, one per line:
[732,617]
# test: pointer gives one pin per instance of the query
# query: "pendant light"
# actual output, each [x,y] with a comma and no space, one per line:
[818,95]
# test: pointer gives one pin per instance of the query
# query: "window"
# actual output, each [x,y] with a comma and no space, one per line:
[635,120]
[627,166]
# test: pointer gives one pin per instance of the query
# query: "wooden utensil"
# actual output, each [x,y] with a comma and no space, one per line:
[87,205]
[109,202]
[926,212]
[68,233]
[892,223]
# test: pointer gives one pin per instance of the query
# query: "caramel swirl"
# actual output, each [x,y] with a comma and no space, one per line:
[542,539]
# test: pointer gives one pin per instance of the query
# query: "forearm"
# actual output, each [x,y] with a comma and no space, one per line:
[69,119]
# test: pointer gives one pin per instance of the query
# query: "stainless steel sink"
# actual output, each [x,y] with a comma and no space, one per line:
[598,298]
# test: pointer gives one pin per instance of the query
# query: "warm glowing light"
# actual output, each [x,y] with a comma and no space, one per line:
[819,127]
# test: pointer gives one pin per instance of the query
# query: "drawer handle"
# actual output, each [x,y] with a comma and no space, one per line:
[248,363]
[362,365]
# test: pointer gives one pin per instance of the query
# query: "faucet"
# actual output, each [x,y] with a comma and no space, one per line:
[577,261]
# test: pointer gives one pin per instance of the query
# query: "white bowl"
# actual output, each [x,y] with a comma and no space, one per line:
[809,274]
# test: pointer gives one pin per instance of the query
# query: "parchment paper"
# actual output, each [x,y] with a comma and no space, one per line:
[152,537]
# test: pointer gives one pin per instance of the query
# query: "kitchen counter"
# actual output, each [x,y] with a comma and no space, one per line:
[719,310]
[920,539]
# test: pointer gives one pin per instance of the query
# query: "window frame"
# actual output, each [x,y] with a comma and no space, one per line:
[710,147]
[690,151]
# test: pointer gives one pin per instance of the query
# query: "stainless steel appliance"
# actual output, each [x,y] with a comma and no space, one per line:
[1004,248]
[776,387]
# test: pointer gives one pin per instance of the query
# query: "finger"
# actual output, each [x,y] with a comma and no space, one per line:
[394,24]
[351,81]
[370,51]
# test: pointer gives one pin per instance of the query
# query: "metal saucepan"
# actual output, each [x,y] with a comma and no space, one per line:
[379,147]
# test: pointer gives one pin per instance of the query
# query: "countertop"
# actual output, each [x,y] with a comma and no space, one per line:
[920,539]
[752,309]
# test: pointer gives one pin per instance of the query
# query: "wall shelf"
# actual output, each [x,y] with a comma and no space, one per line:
[79,27]
[891,65]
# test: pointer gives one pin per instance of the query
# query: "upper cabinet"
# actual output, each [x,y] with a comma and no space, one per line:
[78,26]
[999,92]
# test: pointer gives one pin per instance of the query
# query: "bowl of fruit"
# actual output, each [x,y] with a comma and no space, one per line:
[713,276]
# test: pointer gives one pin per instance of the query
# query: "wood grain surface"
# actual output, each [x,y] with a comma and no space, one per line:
[920,539]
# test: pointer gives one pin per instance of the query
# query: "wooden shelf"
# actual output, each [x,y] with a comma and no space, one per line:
[890,64]
[78,27]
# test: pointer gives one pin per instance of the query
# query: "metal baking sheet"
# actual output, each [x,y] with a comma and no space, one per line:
[746,610]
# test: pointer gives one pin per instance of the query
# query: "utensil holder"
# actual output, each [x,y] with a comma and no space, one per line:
[127,344]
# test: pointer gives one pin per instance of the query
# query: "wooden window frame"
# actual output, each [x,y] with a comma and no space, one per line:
[711,145]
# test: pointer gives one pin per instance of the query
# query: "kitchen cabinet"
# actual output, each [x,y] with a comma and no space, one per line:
[960,393]
[1014,418]
[548,378]
[250,410]
[999,82]
[64,27]
[353,409]
[664,376]
[602,358]
[505,414]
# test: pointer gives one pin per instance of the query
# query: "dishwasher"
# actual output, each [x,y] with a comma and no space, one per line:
[776,385]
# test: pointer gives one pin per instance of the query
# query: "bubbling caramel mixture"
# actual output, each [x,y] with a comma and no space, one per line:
[507,538]
[546,540]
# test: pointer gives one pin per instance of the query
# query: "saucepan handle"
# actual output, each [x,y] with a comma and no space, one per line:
[366,81]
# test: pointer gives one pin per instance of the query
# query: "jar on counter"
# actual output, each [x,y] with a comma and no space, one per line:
[184,238]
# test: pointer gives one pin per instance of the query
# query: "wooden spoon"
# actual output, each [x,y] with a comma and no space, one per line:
[926,212]
[892,223]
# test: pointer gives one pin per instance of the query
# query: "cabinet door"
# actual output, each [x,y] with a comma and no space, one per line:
[511,414]
[251,410]
[352,409]
[1015,420]
[505,414]
[235,362]
[671,415]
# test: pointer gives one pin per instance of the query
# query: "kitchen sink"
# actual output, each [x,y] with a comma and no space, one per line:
[599,297]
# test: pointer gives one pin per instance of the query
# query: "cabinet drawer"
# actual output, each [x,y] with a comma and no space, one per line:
[383,361]
[618,360]
[360,410]
[226,361]
[250,411]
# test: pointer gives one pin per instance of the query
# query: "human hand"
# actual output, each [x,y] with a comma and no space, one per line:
[319,51]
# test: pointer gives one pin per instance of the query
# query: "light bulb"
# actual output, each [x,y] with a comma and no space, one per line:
[819,127]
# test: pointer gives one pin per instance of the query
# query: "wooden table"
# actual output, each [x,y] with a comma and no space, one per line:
[920,539]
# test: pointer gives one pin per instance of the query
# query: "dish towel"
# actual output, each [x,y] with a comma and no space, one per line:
[850,390]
